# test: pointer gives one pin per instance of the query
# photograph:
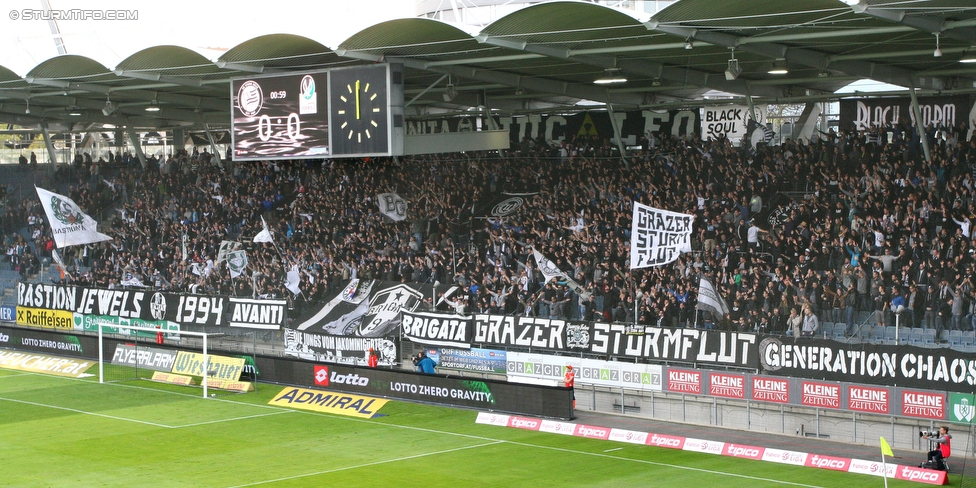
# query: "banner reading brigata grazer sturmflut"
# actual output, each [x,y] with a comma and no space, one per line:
[658,236]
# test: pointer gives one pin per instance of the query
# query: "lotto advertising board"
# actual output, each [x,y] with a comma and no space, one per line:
[502,396]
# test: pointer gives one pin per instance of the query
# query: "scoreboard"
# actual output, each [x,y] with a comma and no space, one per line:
[348,112]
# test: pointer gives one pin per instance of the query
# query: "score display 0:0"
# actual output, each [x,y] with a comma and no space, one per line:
[293,127]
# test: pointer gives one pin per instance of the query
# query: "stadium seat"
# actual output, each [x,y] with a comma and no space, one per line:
[827,329]
[955,337]
[928,336]
[877,335]
[914,335]
[840,330]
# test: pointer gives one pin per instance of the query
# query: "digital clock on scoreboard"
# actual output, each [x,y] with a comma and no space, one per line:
[280,117]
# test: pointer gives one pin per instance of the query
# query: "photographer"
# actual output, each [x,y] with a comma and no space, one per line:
[424,364]
[943,449]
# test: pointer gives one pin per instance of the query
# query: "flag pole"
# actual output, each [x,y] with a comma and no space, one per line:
[884,469]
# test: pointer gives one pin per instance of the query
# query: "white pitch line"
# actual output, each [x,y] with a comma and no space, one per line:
[75,410]
[470,436]
[614,449]
[14,375]
[365,465]
[231,420]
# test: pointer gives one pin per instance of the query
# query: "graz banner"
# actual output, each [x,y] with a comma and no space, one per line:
[905,366]
[645,342]
[339,349]
[868,113]
[257,314]
[613,374]
[437,329]
[364,308]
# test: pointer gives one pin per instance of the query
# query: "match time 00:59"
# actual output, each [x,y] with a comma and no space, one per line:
[278,95]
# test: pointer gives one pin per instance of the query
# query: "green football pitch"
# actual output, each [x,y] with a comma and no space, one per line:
[63,432]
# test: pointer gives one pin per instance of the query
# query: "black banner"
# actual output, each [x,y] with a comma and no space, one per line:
[185,309]
[559,128]
[437,329]
[364,308]
[494,395]
[645,342]
[905,366]
[867,113]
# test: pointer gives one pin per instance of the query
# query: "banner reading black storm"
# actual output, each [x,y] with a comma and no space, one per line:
[906,366]
[185,309]
[645,342]
[867,113]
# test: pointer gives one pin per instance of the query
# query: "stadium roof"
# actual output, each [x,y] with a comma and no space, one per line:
[542,58]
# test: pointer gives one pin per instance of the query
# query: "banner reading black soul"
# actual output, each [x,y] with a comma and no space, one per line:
[906,366]
[645,342]
[185,309]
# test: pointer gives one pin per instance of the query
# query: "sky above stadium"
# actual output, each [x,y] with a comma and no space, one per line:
[209,27]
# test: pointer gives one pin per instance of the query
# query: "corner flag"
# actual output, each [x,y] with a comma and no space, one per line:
[885,448]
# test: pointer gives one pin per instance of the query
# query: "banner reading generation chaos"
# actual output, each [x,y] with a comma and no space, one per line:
[185,309]
[906,366]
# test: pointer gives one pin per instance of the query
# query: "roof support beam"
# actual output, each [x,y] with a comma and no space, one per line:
[176,80]
[586,92]
[927,24]
[805,57]
[642,67]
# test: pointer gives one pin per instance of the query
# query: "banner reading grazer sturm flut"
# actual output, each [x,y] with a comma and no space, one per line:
[69,225]
[658,236]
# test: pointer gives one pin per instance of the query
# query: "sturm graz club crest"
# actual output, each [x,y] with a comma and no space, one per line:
[507,207]
[65,212]
[157,306]
[577,336]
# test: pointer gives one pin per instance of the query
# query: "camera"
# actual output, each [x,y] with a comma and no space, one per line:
[924,433]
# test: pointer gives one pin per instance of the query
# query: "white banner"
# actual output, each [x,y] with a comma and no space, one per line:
[730,121]
[613,374]
[392,206]
[236,262]
[70,226]
[658,236]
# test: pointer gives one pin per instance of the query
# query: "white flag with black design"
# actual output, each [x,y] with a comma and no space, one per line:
[709,300]
[658,237]
[69,225]
[392,205]
[547,267]
[265,234]
[236,262]
[227,247]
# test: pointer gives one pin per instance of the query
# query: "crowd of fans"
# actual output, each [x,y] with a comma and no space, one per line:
[790,235]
